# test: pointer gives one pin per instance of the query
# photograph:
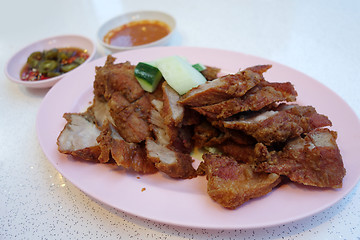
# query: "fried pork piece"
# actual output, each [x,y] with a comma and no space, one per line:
[262,95]
[175,138]
[78,137]
[207,135]
[242,153]
[224,88]
[280,124]
[231,184]
[314,160]
[127,155]
[172,111]
[157,124]
[119,77]
[170,151]
[131,118]
[166,122]
[191,117]
[210,73]
[101,111]
[174,164]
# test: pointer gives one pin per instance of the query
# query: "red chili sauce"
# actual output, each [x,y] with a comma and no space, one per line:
[52,63]
[137,33]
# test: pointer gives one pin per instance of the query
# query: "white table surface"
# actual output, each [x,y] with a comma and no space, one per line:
[320,38]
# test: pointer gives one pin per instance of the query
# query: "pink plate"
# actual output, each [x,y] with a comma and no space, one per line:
[185,202]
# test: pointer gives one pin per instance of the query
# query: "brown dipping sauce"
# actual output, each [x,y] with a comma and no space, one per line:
[137,33]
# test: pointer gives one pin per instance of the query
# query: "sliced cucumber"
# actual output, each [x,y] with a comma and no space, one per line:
[199,67]
[148,76]
[179,74]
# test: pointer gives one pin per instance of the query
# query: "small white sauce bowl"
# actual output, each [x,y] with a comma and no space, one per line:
[18,60]
[136,16]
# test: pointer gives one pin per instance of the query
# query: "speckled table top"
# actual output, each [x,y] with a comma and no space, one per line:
[319,39]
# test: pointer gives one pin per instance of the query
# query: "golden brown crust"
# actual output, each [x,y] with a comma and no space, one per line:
[131,119]
[174,164]
[127,155]
[231,184]
[210,73]
[280,124]
[119,77]
[314,160]
[222,89]
[259,97]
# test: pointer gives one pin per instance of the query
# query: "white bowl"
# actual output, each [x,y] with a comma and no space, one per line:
[136,16]
[17,62]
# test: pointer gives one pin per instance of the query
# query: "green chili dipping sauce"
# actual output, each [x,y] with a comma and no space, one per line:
[52,63]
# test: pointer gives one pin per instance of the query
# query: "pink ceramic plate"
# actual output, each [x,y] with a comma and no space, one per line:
[185,202]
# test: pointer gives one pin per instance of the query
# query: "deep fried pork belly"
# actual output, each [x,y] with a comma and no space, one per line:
[166,120]
[127,155]
[100,109]
[172,111]
[314,160]
[223,88]
[78,137]
[174,164]
[191,117]
[170,151]
[210,73]
[242,153]
[262,95]
[157,124]
[129,107]
[131,118]
[207,135]
[280,124]
[231,184]
[119,77]
[242,117]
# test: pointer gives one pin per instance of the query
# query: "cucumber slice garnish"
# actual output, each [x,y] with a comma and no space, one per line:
[148,76]
[199,67]
[179,74]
